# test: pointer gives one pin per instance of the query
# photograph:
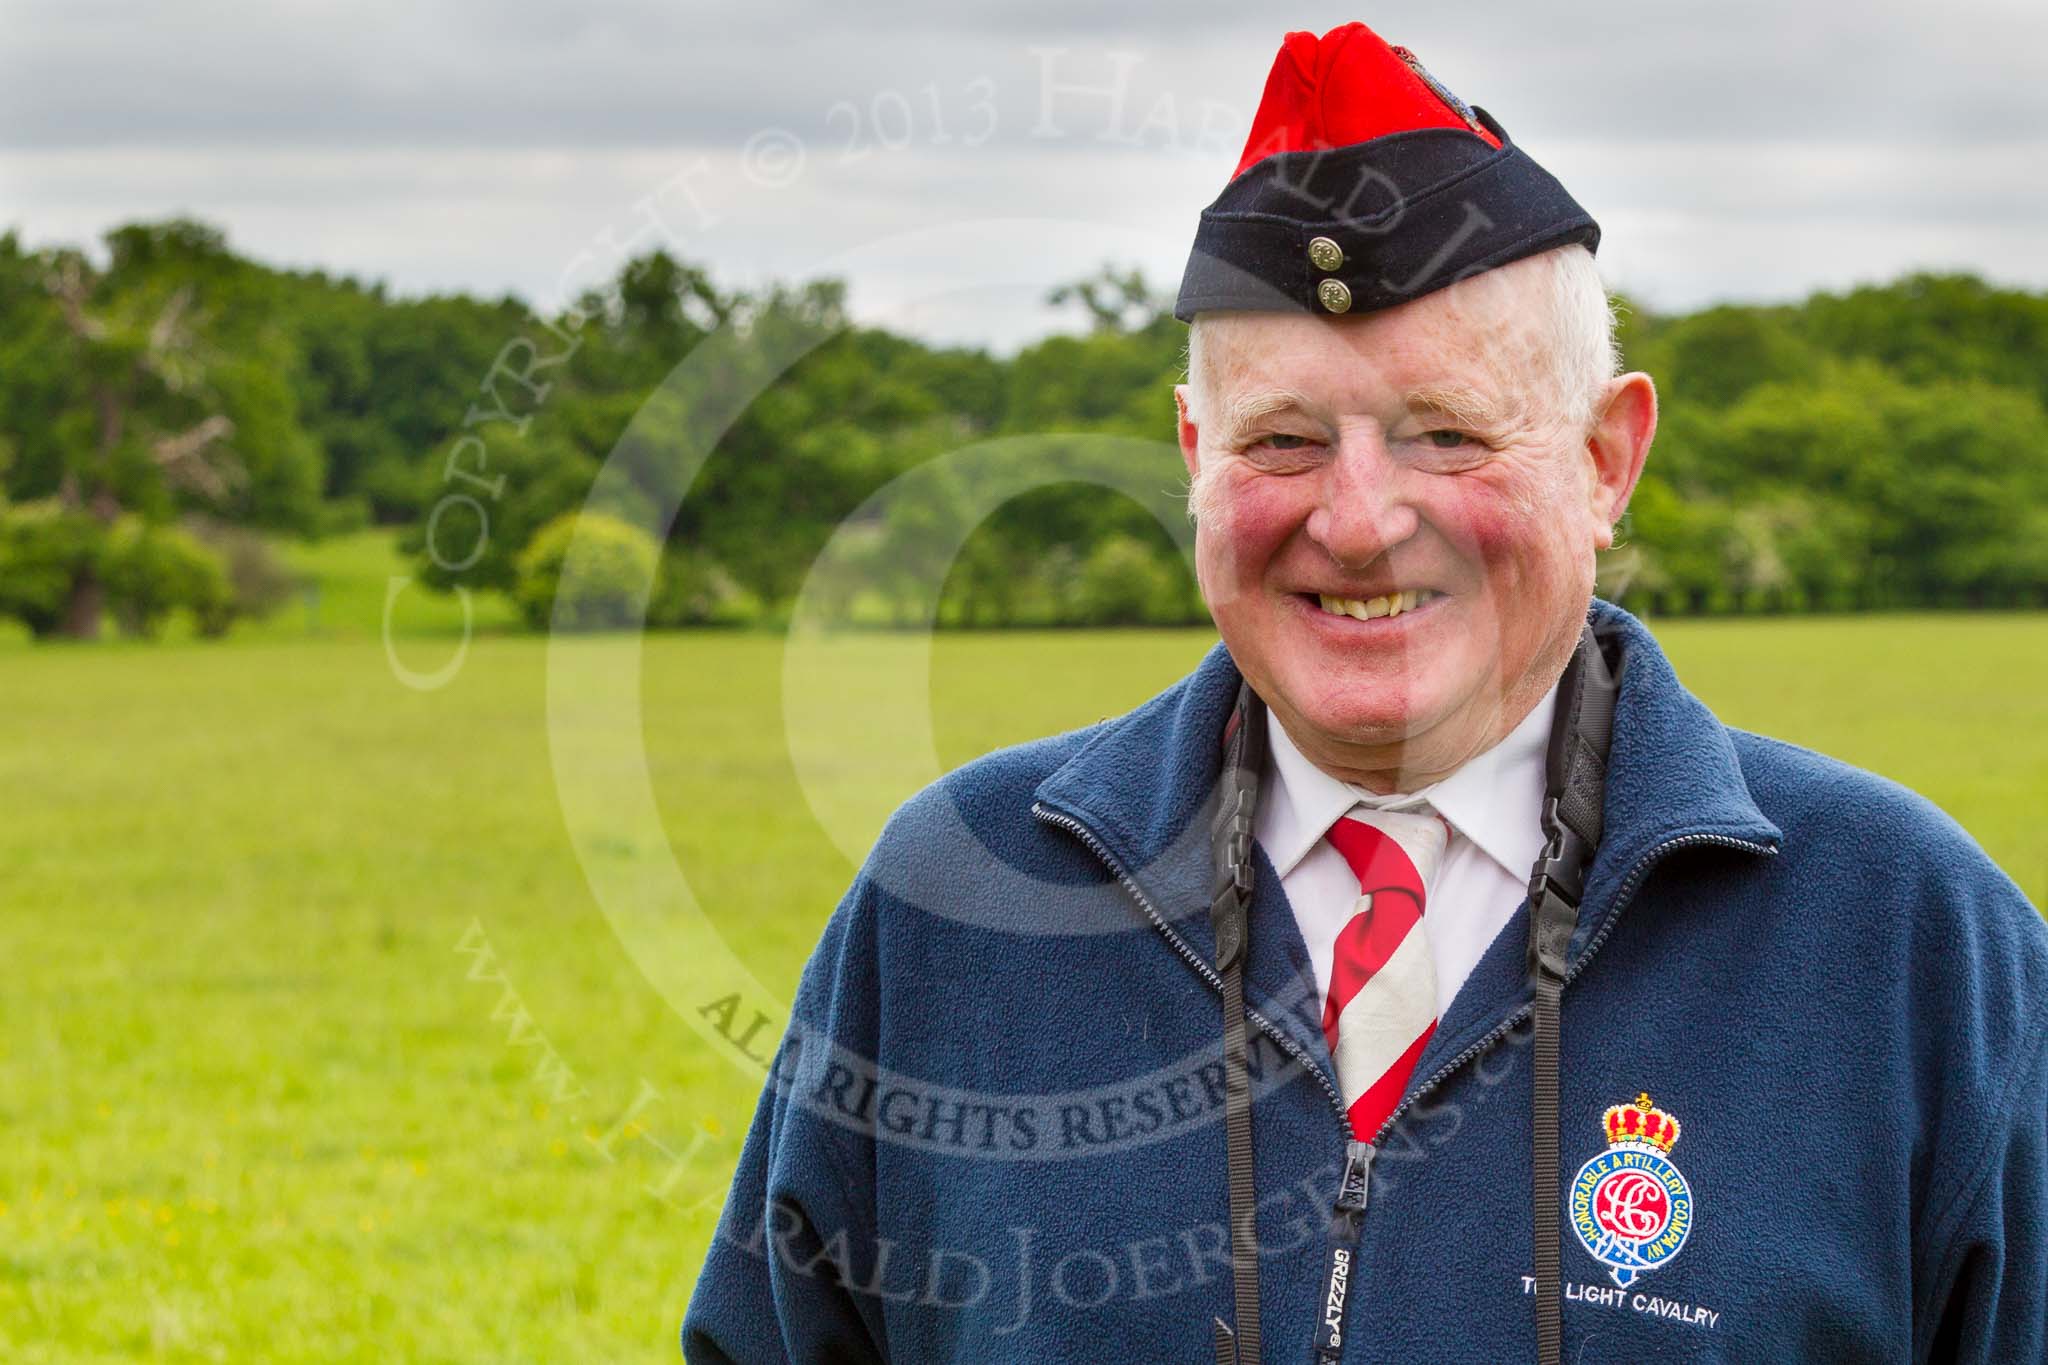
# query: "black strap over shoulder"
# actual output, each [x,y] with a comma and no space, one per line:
[1244,753]
[1574,805]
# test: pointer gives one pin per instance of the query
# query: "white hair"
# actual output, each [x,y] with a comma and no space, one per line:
[1583,351]
[1574,341]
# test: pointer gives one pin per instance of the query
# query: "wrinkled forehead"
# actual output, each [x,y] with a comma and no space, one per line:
[1486,332]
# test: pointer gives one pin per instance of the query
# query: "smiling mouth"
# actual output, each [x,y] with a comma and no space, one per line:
[1372,608]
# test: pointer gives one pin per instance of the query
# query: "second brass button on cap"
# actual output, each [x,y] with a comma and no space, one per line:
[1334,296]
[1325,254]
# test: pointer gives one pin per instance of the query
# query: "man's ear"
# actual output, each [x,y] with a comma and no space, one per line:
[1190,434]
[1618,445]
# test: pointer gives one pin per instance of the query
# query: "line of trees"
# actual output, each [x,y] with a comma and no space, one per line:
[167,405]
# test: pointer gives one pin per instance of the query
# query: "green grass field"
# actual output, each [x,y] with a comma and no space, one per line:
[317,1046]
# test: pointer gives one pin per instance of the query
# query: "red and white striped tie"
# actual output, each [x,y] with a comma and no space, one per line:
[1381,1008]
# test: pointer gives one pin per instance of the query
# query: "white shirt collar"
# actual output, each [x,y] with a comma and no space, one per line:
[1495,799]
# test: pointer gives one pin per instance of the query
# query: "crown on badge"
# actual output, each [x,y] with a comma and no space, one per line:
[1641,1124]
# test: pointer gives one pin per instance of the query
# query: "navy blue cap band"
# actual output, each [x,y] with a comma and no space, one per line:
[1352,229]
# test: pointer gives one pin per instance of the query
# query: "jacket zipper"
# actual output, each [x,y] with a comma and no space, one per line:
[1349,1214]
[1622,897]
[1193,958]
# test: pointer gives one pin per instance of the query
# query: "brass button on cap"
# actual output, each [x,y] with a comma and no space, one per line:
[1334,296]
[1325,254]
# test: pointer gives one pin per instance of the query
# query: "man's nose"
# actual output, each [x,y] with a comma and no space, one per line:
[1362,511]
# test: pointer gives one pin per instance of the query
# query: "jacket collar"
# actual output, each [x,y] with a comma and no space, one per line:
[1145,786]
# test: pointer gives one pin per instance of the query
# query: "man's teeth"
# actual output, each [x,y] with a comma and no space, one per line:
[1391,605]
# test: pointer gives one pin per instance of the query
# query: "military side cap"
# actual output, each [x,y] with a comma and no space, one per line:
[1366,183]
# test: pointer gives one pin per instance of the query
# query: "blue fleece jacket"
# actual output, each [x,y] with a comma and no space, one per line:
[993,1132]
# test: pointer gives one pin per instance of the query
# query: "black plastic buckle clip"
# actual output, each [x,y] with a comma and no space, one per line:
[1234,878]
[1556,887]
[1562,865]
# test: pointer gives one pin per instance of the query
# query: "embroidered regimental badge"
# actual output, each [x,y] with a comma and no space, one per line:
[1630,1205]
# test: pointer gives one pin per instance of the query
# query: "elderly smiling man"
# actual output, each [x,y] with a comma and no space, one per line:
[1427,976]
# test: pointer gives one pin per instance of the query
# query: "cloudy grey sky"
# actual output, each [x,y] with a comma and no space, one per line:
[954,161]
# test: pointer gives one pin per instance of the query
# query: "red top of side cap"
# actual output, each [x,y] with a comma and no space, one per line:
[1345,87]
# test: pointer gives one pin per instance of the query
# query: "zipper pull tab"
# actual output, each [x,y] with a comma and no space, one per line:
[1351,1191]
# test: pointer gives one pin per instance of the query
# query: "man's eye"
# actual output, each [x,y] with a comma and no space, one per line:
[1446,439]
[1281,440]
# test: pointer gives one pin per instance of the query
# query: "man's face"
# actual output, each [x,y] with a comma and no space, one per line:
[1413,467]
